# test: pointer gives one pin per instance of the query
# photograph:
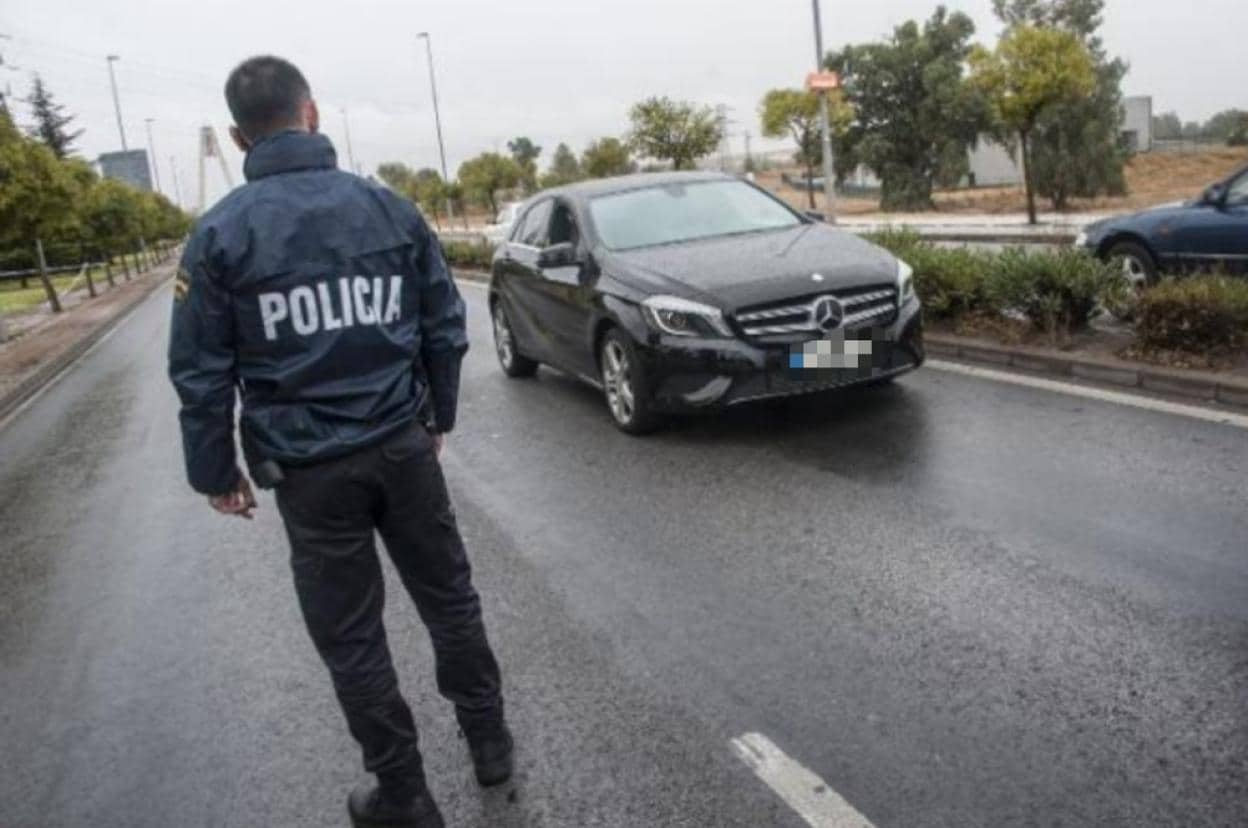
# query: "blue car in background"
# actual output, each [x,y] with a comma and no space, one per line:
[1210,233]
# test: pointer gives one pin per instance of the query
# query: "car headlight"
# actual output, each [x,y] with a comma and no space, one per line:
[682,317]
[1081,240]
[905,282]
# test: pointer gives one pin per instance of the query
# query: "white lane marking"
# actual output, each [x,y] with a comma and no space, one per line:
[473,282]
[1117,397]
[60,375]
[801,790]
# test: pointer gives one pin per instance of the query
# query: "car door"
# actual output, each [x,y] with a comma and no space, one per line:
[566,298]
[518,263]
[1215,233]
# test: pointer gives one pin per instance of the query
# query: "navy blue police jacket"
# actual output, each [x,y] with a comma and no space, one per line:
[325,301]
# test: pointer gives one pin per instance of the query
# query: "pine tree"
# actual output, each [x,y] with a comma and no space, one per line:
[51,122]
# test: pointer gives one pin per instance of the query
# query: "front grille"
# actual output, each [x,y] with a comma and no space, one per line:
[784,321]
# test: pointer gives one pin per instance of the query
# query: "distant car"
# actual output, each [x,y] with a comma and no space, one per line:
[506,219]
[1208,233]
[680,291]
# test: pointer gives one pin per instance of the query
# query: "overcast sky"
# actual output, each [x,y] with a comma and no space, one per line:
[556,70]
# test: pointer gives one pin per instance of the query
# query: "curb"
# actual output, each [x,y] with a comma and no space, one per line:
[47,372]
[1194,385]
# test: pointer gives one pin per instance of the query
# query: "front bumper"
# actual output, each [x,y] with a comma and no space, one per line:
[687,374]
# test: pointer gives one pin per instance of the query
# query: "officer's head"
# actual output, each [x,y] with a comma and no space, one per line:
[267,95]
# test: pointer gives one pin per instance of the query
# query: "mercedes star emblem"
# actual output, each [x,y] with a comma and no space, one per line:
[827,313]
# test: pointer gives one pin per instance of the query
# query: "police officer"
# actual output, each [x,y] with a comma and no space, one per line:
[325,301]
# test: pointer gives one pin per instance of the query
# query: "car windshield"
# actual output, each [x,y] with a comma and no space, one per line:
[672,213]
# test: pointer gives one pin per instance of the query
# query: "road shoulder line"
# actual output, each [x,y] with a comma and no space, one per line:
[1198,386]
[803,791]
[1197,412]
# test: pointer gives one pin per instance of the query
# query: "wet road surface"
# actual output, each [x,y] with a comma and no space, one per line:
[955,602]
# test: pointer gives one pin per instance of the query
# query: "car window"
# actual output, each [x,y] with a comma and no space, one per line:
[562,226]
[1238,192]
[532,231]
[685,212]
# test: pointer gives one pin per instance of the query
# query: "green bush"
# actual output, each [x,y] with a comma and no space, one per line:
[469,255]
[949,280]
[1196,315]
[1058,292]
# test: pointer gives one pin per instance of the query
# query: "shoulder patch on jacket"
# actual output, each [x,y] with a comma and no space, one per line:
[181,285]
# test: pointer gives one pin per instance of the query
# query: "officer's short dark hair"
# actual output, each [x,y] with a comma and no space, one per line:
[265,95]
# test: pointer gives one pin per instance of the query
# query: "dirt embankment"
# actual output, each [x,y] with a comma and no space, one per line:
[1152,178]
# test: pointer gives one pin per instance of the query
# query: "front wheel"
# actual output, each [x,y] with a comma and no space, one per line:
[509,359]
[1138,265]
[624,383]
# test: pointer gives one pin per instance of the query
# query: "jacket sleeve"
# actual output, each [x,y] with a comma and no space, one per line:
[443,329]
[201,365]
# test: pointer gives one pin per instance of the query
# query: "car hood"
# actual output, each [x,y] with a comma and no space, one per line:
[1143,220]
[738,271]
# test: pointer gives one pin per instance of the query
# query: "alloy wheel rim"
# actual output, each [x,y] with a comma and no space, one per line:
[617,380]
[1133,270]
[502,337]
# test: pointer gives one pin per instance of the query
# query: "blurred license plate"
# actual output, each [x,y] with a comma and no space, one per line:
[836,353]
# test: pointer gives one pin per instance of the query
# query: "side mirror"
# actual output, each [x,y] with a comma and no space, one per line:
[558,255]
[1214,196]
[815,215]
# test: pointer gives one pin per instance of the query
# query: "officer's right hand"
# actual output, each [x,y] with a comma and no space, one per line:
[439,440]
[238,502]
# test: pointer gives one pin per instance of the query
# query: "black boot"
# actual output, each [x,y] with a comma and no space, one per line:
[371,805]
[491,748]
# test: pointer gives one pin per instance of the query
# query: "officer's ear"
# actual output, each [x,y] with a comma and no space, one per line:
[311,116]
[240,140]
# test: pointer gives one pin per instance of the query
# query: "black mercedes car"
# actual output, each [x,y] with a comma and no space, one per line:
[682,291]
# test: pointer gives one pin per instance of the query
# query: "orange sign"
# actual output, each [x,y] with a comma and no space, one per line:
[823,81]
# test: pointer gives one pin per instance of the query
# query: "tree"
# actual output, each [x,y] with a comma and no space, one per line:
[482,178]
[398,177]
[36,190]
[1238,136]
[51,122]
[525,153]
[424,186]
[564,168]
[1222,126]
[1075,146]
[795,113]
[429,191]
[607,157]
[1167,126]
[676,131]
[1032,70]
[914,116]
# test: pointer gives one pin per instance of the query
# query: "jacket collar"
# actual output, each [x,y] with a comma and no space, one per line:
[289,151]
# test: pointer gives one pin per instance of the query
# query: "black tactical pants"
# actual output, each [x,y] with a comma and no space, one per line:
[331,511]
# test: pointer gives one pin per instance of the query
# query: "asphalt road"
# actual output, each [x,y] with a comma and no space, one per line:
[956,602]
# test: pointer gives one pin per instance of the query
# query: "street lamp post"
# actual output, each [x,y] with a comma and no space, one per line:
[177,191]
[437,118]
[112,78]
[346,123]
[829,172]
[151,151]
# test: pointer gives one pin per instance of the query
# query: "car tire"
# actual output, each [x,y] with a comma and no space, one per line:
[1138,265]
[513,363]
[625,385]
